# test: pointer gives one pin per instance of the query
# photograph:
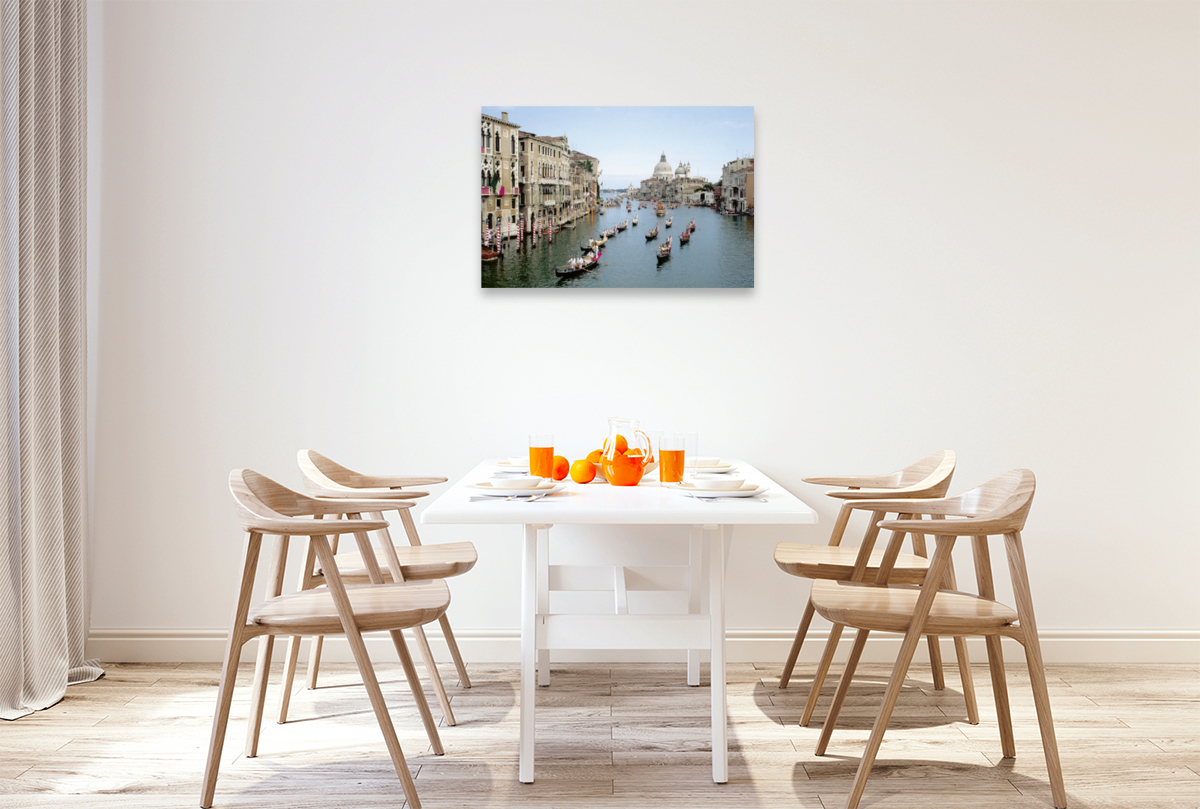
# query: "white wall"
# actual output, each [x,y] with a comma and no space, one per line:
[977,229]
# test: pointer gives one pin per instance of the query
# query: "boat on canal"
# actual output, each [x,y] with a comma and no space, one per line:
[623,225]
[670,219]
[660,211]
[685,237]
[664,251]
[490,255]
[575,266]
[634,222]
[652,234]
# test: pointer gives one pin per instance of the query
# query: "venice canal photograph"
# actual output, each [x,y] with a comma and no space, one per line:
[620,197]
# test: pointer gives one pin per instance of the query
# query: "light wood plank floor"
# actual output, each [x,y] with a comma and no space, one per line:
[610,736]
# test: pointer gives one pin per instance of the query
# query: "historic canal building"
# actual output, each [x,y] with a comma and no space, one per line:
[499,174]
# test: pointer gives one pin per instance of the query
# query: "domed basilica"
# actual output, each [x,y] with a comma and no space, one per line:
[670,184]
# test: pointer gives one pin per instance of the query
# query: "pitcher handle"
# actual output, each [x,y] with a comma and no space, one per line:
[649,446]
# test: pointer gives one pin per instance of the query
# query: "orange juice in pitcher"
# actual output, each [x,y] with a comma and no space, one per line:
[628,453]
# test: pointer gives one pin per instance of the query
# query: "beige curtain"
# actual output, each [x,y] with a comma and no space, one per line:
[43,496]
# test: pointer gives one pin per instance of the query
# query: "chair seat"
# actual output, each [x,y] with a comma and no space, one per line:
[889,608]
[837,563]
[417,562]
[376,607]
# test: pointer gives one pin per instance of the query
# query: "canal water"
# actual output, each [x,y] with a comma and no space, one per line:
[720,253]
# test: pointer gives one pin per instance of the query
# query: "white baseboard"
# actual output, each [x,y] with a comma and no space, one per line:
[742,646]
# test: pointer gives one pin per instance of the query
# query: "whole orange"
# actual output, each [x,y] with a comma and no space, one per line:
[595,455]
[583,471]
[560,467]
[622,445]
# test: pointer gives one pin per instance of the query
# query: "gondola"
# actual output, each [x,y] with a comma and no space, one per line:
[669,220]
[664,251]
[634,222]
[623,225]
[490,255]
[577,266]
[685,237]
[652,234]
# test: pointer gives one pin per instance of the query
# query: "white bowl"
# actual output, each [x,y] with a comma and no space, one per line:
[519,461]
[700,463]
[722,483]
[518,482]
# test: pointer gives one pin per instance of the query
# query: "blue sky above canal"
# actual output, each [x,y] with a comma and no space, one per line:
[628,141]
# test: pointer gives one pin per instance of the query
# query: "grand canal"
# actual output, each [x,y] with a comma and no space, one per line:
[720,253]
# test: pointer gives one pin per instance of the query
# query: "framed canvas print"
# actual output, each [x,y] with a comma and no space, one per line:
[616,197]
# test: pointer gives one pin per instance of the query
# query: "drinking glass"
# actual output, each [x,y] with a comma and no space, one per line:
[541,455]
[671,455]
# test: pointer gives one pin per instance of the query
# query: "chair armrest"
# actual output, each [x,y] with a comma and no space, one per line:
[915,505]
[949,528]
[398,481]
[348,505]
[878,494]
[300,527]
[360,494]
[855,481]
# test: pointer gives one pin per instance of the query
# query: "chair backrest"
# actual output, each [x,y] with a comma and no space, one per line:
[935,468]
[260,500]
[928,477]
[1003,501]
[999,506]
[326,477]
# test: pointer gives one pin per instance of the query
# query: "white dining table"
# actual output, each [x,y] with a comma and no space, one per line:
[597,503]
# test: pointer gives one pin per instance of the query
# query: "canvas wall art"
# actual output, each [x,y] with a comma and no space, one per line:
[616,197]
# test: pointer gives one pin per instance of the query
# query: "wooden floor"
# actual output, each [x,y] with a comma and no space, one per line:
[610,736]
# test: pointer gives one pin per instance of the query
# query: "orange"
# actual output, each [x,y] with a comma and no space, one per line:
[583,471]
[622,444]
[634,451]
[560,466]
[595,455]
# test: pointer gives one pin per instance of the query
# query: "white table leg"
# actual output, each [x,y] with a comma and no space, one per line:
[543,599]
[695,562]
[716,608]
[528,650]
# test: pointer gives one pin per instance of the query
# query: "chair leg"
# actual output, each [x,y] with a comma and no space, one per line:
[464,679]
[790,663]
[367,671]
[289,676]
[314,661]
[835,634]
[1008,742]
[262,666]
[414,684]
[968,682]
[434,676]
[935,662]
[1037,669]
[258,693]
[860,643]
[220,722]
[233,651]
[895,685]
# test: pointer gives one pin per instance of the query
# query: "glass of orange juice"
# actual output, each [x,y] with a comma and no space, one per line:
[541,455]
[671,449]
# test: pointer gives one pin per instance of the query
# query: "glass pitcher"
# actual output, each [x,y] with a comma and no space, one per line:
[628,453]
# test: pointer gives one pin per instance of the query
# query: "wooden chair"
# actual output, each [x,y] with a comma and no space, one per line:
[264,507]
[412,562]
[998,507]
[928,477]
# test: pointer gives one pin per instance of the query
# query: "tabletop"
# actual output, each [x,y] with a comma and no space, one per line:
[648,503]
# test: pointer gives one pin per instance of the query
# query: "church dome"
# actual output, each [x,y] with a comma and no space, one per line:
[663,169]
[681,171]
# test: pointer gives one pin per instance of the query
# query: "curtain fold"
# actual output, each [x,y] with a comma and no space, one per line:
[43,494]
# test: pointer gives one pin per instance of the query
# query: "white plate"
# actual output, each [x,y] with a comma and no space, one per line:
[498,489]
[709,470]
[509,466]
[747,490]
[708,465]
